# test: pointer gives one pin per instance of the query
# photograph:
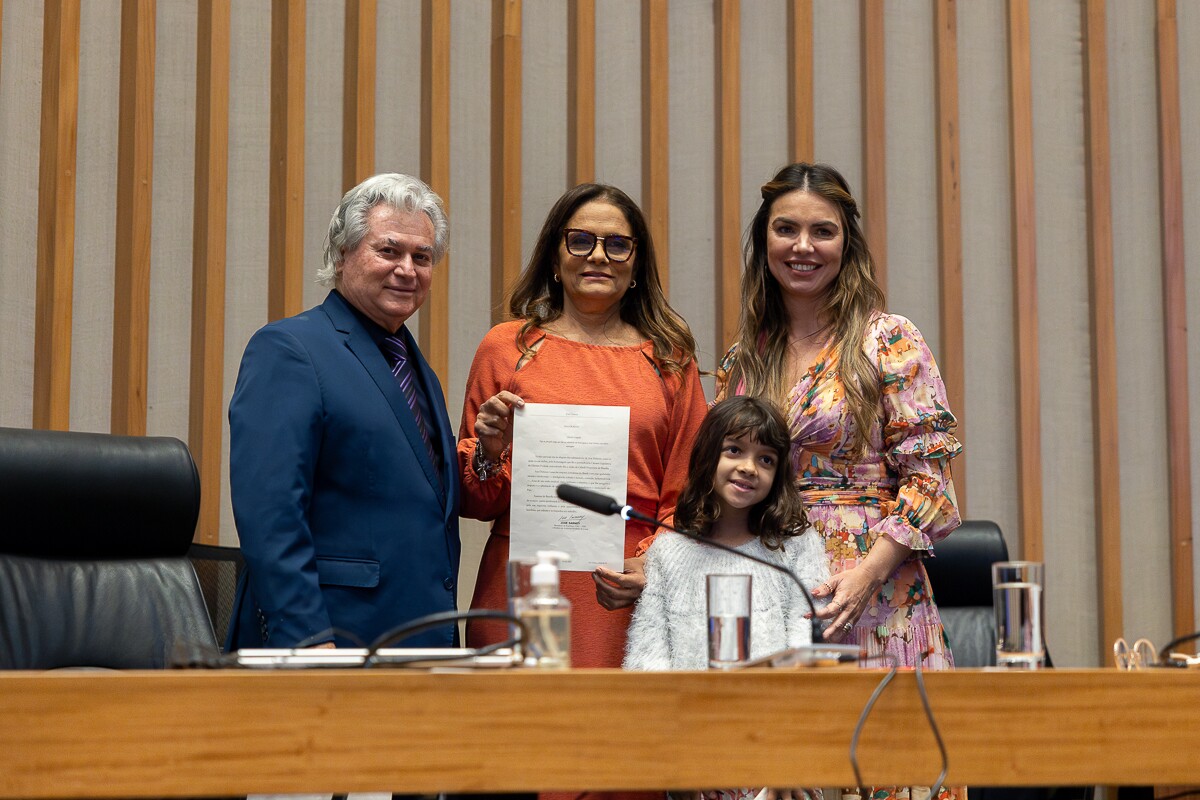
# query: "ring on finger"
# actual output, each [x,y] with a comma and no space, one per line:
[847,626]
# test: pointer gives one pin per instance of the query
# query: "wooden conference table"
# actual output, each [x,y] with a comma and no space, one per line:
[197,733]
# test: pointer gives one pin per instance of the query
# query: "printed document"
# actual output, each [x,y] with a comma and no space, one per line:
[585,446]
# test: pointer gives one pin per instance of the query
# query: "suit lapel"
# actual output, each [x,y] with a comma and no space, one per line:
[358,341]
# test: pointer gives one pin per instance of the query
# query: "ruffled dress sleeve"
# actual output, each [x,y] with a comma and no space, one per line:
[918,440]
[492,370]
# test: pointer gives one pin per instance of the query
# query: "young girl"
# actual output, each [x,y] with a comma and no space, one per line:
[741,493]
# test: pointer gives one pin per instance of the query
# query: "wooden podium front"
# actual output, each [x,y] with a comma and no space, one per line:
[215,733]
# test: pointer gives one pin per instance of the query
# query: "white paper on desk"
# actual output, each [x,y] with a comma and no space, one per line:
[585,446]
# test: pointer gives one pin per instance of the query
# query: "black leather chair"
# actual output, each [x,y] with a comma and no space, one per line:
[94,534]
[219,569]
[961,576]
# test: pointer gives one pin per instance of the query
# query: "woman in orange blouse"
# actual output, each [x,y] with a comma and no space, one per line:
[592,326]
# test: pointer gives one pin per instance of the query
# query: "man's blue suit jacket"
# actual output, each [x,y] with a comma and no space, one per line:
[343,521]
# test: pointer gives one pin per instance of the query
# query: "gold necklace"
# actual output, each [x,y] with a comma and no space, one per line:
[794,342]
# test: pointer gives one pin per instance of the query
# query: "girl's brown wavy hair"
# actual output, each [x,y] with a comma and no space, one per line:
[777,516]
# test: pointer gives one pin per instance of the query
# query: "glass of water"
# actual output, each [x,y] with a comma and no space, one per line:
[728,620]
[1017,601]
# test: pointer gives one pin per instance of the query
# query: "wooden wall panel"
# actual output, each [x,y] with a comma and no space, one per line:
[800,80]
[729,171]
[135,175]
[434,319]
[1024,229]
[56,216]
[949,213]
[656,132]
[1106,467]
[51,374]
[285,287]
[506,150]
[358,97]
[874,93]
[1179,475]
[581,91]
[206,408]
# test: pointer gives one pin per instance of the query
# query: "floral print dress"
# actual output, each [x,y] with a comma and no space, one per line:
[900,487]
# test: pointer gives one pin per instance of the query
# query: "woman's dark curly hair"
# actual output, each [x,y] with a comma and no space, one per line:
[777,516]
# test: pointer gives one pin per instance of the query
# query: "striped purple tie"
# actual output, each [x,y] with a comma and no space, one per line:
[397,355]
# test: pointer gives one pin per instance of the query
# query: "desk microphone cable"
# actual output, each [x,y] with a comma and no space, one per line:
[437,620]
[866,712]
[1164,655]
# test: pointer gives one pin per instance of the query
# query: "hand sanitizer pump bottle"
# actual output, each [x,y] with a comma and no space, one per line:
[547,615]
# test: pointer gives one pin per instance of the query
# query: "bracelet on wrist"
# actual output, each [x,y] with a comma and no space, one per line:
[484,467]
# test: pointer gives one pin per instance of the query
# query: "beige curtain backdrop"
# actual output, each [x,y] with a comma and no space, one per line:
[912,246]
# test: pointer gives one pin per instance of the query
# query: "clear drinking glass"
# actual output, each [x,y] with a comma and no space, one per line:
[1020,614]
[728,620]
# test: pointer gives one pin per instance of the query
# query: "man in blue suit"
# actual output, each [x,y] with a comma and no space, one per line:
[342,462]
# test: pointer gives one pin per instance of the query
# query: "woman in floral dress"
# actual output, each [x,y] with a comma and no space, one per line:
[871,431]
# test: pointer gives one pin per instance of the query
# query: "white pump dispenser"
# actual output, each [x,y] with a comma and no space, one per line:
[547,615]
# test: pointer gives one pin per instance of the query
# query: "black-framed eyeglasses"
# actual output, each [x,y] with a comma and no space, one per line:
[581,243]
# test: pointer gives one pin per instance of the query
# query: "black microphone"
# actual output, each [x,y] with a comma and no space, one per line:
[594,501]
[603,504]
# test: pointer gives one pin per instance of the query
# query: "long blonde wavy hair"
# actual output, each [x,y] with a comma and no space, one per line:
[850,303]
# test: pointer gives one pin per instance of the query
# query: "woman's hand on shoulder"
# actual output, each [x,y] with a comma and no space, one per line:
[493,423]
[616,590]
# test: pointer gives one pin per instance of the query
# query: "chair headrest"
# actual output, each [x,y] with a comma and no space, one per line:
[961,569]
[73,495]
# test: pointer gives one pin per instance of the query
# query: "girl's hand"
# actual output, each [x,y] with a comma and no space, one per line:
[620,589]
[851,590]
[493,423]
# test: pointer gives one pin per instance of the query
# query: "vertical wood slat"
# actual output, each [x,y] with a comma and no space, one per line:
[949,213]
[1179,474]
[656,144]
[729,171]
[135,174]
[1106,470]
[358,93]
[56,216]
[506,150]
[800,80]
[286,238]
[206,405]
[1024,223]
[581,91]
[874,90]
[434,319]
